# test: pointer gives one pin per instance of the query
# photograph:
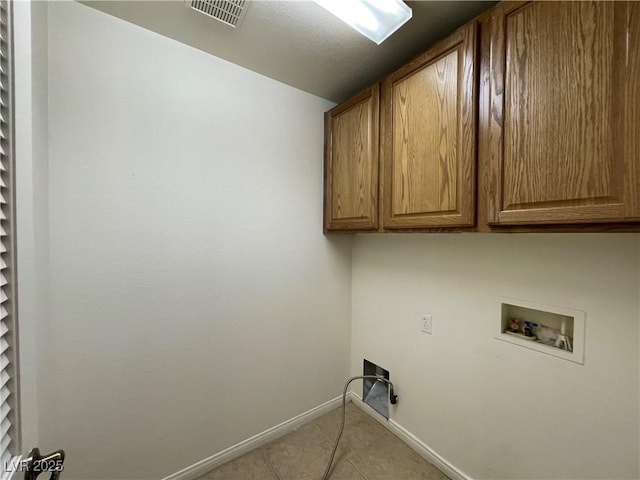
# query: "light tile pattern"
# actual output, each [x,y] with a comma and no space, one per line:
[367,451]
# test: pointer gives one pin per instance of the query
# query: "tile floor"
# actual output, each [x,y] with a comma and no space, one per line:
[367,451]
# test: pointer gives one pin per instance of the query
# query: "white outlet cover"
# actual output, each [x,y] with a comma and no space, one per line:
[426,323]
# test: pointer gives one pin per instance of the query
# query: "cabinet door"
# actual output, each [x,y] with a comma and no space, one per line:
[351,163]
[429,137]
[564,132]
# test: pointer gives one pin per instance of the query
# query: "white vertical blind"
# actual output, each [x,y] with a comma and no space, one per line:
[9,441]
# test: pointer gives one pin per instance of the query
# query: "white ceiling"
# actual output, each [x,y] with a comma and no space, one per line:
[298,42]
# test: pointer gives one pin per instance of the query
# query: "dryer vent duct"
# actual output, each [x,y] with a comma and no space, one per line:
[375,393]
[229,12]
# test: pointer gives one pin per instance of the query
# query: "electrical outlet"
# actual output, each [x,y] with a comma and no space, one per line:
[425,323]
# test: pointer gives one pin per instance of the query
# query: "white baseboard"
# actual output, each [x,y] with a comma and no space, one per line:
[200,468]
[414,442]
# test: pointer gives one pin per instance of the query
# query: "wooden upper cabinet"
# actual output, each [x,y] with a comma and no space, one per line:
[428,143]
[351,163]
[564,113]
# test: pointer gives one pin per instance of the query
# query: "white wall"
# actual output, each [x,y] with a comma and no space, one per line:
[493,409]
[192,291]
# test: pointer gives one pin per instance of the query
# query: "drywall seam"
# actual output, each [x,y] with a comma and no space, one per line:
[196,470]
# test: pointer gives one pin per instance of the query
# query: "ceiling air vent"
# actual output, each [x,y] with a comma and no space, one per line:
[230,12]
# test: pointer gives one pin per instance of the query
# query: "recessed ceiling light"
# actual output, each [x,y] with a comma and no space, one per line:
[375,19]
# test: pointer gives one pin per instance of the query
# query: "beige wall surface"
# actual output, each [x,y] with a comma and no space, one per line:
[192,292]
[493,409]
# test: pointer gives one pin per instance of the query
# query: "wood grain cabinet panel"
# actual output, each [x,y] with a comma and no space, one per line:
[564,133]
[428,144]
[351,163]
